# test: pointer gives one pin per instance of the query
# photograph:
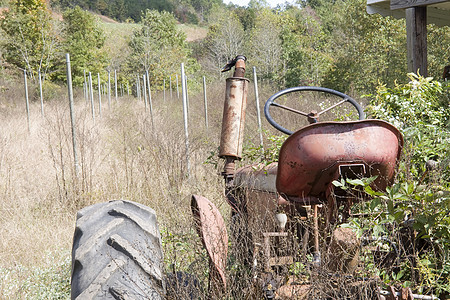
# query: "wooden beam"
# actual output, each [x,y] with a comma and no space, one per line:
[416,37]
[399,4]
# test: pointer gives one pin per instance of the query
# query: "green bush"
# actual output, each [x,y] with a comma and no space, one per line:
[420,110]
[50,91]
[414,211]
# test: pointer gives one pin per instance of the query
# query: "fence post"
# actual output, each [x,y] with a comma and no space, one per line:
[164,90]
[109,89]
[91,94]
[27,103]
[150,98]
[144,90]
[206,102]
[138,88]
[258,113]
[178,93]
[99,96]
[41,95]
[115,83]
[149,89]
[72,118]
[85,86]
[185,116]
[186,91]
[170,87]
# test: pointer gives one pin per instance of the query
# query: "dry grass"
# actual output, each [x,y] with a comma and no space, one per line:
[193,33]
[121,157]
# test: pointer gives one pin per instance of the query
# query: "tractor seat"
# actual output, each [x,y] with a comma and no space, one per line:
[312,157]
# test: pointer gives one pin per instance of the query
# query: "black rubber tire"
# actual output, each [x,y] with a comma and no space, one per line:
[117,253]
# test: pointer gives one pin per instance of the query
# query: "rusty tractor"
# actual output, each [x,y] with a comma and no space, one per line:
[283,214]
[287,212]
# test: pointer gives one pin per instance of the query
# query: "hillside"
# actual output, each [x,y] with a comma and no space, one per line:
[186,11]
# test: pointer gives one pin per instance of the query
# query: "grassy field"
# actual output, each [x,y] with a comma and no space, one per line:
[121,157]
[119,34]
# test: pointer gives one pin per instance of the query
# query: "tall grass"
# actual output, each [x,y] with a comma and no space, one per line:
[121,157]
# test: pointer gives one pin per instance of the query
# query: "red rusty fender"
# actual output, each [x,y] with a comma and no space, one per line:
[213,233]
[309,159]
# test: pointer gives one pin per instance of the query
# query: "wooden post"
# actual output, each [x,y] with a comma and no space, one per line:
[27,103]
[72,118]
[416,36]
[185,116]
[258,112]
[41,95]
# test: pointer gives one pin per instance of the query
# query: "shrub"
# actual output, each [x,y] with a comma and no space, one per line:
[413,213]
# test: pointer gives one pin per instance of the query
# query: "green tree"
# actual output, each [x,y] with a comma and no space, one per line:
[265,44]
[157,46]
[305,48]
[30,39]
[438,50]
[225,40]
[420,110]
[366,49]
[83,40]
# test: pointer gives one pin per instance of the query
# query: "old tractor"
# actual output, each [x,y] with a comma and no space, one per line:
[286,212]
[284,215]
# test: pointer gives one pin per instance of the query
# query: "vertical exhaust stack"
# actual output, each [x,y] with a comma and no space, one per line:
[209,222]
[233,121]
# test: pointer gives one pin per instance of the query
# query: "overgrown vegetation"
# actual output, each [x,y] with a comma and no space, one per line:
[191,11]
[413,213]
[122,156]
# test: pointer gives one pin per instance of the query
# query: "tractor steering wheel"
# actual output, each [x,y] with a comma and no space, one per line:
[313,115]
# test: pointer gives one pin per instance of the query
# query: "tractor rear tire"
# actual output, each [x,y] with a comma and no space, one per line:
[117,253]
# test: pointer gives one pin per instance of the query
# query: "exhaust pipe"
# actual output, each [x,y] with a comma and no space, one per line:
[233,121]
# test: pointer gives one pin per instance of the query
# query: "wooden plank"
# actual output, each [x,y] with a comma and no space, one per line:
[401,4]
[416,37]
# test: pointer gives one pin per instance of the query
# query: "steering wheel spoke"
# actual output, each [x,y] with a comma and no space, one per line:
[290,109]
[332,106]
[313,115]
